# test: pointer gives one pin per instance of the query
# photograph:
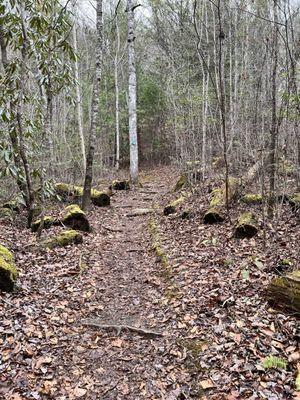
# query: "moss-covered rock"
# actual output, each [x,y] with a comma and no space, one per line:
[172,207]
[284,292]
[48,222]
[75,218]
[64,239]
[6,214]
[8,270]
[246,226]
[121,185]
[252,198]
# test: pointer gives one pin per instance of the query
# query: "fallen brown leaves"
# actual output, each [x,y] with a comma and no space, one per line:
[218,327]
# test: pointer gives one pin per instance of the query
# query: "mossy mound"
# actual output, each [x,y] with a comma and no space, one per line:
[6,214]
[120,185]
[8,270]
[75,218]
[172,207]
[284,292]
[252,198]
[246,226]
[48,222]
[64,239]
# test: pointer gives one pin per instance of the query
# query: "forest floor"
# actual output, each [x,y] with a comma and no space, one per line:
[187,322]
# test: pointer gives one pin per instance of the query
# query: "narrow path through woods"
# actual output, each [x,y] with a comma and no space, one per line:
[216,325]
[114,278]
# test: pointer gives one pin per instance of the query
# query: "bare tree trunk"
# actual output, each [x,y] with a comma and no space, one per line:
[134,169]
[222,101]
[117,90]
[86,198]
[274,126]
[78,98]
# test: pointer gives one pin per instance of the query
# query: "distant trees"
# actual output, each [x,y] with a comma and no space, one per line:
[202,81]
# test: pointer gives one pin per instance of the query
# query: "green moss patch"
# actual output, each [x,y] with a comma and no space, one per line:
[8,270]
[252,198]
[64,239]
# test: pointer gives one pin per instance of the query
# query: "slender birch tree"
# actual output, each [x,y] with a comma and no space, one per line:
[117,93]
[95,111]
[133,142]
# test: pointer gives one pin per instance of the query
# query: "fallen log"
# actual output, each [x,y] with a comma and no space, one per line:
[172,207]
[294,201]
[284,292]
[71,192]
[139,212]
[252,198]
[64,239]
[8,270]
[75,218]
[246,226]
[215,213]
[120,185]
[181,183]
[47,223]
